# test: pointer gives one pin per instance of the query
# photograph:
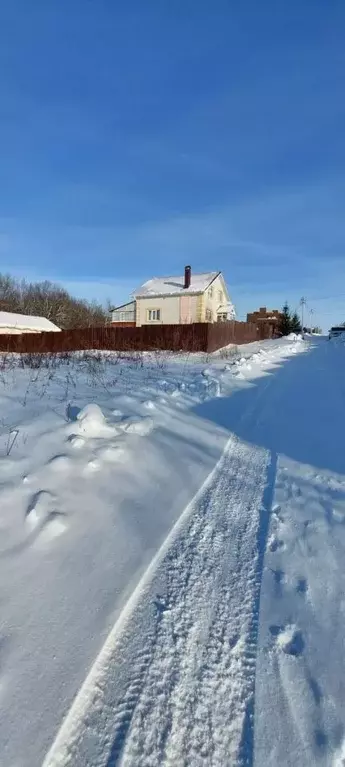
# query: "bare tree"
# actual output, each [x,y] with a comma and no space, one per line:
[48,299]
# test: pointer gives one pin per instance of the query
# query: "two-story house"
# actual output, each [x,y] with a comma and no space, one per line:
[177,300]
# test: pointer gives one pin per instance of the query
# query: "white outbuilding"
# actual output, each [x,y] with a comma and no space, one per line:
[25,323]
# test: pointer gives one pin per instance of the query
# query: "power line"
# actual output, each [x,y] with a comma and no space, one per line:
[324,314]
[327,298]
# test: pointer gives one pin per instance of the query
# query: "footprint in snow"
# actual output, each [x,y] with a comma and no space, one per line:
[233,641]
[60,463]
[302,586]
[275,543]
[38,508]
[53,526]
[276,510]
[42,518]
[140,426]
[72,412]
[76,441]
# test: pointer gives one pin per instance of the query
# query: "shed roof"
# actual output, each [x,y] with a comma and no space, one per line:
[122,306]
[26,321]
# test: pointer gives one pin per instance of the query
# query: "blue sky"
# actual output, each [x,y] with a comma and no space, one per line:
[136,137]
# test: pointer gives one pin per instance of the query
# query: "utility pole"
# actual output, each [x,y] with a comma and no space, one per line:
[302,303]
[311,312]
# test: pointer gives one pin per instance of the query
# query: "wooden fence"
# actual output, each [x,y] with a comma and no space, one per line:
[197,337]
[224,333]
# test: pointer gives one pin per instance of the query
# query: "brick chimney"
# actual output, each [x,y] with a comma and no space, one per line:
[187,277]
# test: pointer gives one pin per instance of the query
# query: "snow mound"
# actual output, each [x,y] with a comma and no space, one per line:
[294,337]
[289,639]
[149,404]
[92,421]
[92,466]
[339,759]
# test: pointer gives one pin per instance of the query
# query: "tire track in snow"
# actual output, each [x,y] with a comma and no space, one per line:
[174,681]
[236,628]
[247,742]
[193,696]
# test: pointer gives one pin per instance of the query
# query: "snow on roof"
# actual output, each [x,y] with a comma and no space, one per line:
[165,286]
[26,321]
[227,308]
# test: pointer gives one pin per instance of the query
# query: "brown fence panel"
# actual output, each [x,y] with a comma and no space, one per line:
[146,338]
[197,337]
[224,333]
[267,330]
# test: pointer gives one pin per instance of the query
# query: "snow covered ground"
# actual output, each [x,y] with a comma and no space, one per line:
[173,530]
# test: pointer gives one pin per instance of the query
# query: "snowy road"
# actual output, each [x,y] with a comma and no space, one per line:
[222,655]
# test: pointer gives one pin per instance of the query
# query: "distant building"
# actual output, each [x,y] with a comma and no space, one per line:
[177,300]
[25,323]
[269,317]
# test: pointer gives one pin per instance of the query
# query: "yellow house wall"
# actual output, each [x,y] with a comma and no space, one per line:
[212,303]
[169,307]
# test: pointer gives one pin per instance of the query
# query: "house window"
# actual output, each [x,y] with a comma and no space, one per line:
[220,296]
[222,317]
[210,292]
[208,315]
[153,315]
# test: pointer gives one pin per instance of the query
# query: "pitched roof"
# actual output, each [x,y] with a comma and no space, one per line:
[26,322]
[122,306]
[165,286]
